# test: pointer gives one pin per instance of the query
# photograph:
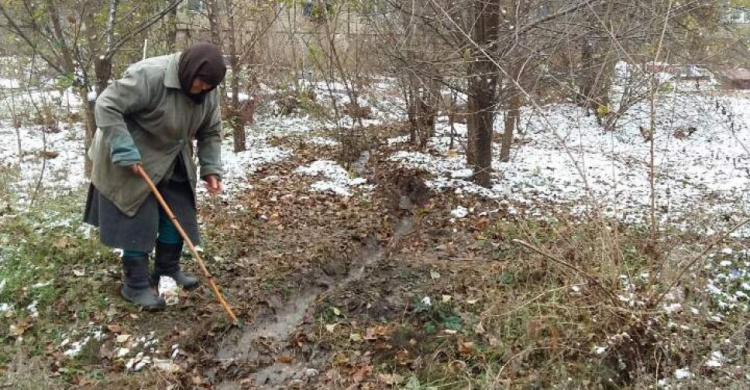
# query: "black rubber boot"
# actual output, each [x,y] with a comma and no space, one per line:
[136,287]
[167,263]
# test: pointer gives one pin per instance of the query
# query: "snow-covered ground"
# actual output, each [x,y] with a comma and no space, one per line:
[60,172]
[562,157]
[63,171]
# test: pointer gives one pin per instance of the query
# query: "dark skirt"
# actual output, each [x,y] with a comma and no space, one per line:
[139,233]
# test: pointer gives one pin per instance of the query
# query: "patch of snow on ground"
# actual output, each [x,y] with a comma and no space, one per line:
[716,360]
[459,212]
[238,166]
[338,181]
[671,308]
[682,373]
[398,140]
[63,171]
[566,159]
[75,347]
[323,141]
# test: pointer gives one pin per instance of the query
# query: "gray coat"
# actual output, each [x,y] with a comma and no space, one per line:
[147,109]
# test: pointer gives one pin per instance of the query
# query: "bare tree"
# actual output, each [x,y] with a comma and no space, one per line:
[65,37]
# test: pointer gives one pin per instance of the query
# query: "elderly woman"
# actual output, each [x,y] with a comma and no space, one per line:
[149,117]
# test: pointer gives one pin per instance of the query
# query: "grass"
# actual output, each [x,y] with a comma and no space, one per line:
[52,264]
[573,312]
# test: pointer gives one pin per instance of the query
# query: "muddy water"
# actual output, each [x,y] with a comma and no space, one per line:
[273,331]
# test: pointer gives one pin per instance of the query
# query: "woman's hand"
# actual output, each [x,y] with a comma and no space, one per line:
[213,185]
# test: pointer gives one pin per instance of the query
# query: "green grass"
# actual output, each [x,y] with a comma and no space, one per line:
[48,260]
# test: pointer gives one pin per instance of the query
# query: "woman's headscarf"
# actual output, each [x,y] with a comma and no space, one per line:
[202,60]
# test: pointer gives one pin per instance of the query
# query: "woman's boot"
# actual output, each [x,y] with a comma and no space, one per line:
[136,287]
[167,263]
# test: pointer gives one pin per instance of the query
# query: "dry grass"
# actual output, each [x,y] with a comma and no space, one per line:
[525,303]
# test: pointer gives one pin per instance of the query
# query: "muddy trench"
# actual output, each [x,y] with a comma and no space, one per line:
[248,357]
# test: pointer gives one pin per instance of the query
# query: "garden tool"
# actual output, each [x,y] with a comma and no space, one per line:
[193,251]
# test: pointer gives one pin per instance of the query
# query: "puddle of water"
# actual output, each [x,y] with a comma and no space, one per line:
[276,327]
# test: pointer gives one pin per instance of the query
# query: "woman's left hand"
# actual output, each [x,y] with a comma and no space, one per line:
[213,185]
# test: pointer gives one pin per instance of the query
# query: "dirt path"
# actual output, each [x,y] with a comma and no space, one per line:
[271,333]
[244,353]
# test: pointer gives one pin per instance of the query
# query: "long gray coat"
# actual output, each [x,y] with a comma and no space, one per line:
[147,105]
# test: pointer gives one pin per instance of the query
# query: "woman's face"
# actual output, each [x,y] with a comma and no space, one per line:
[199,86]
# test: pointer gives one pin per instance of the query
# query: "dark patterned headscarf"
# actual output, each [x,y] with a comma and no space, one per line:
[201,60]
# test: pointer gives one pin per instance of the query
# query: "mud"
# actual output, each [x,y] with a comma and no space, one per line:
[268,335]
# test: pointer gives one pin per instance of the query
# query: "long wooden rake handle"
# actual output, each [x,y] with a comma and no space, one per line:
[142,173]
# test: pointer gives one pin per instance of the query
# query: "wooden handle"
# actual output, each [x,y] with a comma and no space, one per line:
[193,251]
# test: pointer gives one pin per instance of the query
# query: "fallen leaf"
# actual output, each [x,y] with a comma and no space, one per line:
[356,337]
[383,346]
[17,330]
[362,373]
[61,243]
[450,331]
[134,316]
[341,359]
[166,365]
[78,273]
[376,332]
[331,327]
[447,298]
[466,348]
[391,379]
[284,359]
[50,154]
[458,366]
[123,338]
[403,357]
[114,328]
[434,275]
[336,311]
[481,224]
[106,352]
[472,301]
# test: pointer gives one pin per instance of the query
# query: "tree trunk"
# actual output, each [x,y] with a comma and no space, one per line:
[588,80]
[482,80]
[235,116]
[90,122]
[597,71]
[435,98]
[214,22]
[172,31]
[411,113]
[512,116]
[103,71]
[481,106]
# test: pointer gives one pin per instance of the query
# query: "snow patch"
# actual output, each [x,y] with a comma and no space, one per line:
[682,373]
[338,181]
[460,212]
[716,360]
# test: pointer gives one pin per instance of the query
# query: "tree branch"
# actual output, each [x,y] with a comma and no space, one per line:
[16,29]
[141,28]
